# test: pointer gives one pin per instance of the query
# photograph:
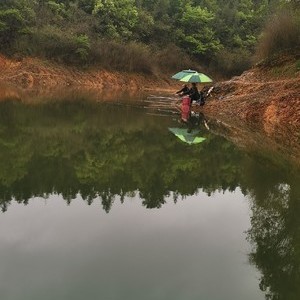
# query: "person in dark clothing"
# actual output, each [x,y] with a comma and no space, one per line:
[194,93]
[201,100]
[204,94]
[184,91]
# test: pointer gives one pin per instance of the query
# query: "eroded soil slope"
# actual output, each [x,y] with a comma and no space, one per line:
[262,106]
[31,73]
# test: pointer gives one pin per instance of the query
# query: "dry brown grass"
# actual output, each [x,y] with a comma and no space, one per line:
[129,57]
[281,33]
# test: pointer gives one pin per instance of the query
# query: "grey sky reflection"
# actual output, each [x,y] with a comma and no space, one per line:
[194,249]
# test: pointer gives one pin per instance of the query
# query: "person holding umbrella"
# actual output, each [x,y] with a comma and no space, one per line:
[185,89]
[194,78]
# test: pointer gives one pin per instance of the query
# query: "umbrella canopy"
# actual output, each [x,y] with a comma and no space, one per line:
[187,137]
[196,77]
[183,73]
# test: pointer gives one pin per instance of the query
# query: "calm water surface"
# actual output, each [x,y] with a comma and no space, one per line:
[102,201]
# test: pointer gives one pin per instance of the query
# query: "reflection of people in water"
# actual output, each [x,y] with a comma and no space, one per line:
[190,118]
[195,120]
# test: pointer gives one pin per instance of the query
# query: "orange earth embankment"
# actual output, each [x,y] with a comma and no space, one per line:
[261,108]
[32,73]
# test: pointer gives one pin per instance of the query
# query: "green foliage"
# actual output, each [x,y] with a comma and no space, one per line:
[87,5]
[51,42]
[115,18]
[15,20]
[206,30]
[275,235]
[196,31]
[144,27]
[57,8]
[83,46]
[11,25]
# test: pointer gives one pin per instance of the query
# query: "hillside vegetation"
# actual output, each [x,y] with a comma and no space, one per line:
[146,36]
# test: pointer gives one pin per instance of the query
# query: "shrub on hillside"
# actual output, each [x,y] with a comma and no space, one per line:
[172,59]
[282,32]
[12,26]
[232,62]
[53,43]
[129,57]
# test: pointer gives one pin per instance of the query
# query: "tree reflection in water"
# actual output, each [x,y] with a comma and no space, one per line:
[106,152]
[275,235]
[101,151]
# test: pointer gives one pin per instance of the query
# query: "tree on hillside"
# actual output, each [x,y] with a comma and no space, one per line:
[196,32]
[115,19]
[87,5]
[15,18]
[220,33]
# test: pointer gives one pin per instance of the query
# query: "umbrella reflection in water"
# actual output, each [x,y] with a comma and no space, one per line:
[187,137]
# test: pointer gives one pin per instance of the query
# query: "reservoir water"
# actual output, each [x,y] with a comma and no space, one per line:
[102,201]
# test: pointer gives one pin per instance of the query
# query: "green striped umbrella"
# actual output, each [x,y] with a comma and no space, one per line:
[183,73]
[189,138]
[196,77]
